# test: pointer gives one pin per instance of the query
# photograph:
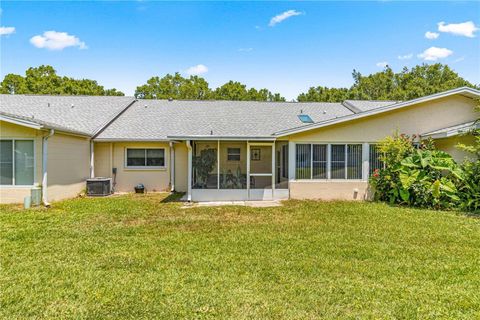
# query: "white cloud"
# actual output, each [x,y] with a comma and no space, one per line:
[466,29]
[196,70]
[53,40]
[382,64]
[459,59]
[431,35]
[6,30]
[434,53]
[245,49]
[283,16]
[406,56]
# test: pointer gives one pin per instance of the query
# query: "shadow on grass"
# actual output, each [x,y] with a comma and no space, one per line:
[470,214]
[173,197]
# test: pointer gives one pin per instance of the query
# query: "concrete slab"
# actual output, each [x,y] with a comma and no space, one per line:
[255,204]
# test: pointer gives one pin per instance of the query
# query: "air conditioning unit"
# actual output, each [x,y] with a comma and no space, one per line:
[99,186]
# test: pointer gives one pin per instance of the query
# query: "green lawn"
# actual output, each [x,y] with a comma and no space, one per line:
[135,257]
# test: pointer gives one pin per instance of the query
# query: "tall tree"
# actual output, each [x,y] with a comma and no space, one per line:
[13,83]
[325,94]
[232,90]
[44,80]
[196,88]
[175,87]
[408,84]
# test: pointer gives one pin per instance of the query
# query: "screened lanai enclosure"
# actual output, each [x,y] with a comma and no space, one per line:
[239,170]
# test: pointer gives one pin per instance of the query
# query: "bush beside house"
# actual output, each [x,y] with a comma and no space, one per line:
[421,176]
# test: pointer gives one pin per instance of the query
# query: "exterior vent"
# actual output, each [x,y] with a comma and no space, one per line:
[99,186]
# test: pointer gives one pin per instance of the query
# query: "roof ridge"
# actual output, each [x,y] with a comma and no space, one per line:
[112,119]
[372,100]
[240,101]
[351,107]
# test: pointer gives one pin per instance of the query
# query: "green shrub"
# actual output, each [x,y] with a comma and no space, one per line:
[425,177]
[421,177]
[469,189]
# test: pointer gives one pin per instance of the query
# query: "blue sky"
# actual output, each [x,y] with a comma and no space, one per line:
[122,44]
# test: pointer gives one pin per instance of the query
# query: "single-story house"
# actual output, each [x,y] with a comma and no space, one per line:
[214,150]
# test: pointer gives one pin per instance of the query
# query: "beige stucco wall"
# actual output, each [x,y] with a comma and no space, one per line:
[329,190]
[449,145]
[68,166]
[153,179]
[16,194]
[128,178]
[102,159]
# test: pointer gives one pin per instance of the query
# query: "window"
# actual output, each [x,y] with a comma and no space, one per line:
[338,161]
[233,154]
[354,161]
[319,161]
[375,162]
[17,162]
[153,158]
[314,162]
[303,161]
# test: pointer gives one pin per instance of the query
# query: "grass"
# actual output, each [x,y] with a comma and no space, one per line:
[137,257]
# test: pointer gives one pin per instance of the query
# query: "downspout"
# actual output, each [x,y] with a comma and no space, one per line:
[92,160]
[189,171]
[45,166]
[172,167]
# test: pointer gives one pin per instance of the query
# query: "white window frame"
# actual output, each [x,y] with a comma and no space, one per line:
[145,167]
[239,154]
[365,146]
[13,185]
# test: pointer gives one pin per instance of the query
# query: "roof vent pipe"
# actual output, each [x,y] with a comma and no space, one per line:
[72,105]
[301,111]
[170,99]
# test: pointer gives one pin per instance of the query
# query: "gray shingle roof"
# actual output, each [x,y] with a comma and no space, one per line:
[163,119]
[88,114]
[159,119]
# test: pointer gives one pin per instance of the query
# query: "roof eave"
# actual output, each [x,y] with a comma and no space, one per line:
[131,140]
[21,122]
[210,137]
[452,133]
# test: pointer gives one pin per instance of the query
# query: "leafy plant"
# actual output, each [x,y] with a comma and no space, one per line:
[203,165]
[470,189]
[422,177]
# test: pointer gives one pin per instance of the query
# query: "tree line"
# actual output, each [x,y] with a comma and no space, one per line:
[197,88]
[407,84]
[419,81]
[44,80]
